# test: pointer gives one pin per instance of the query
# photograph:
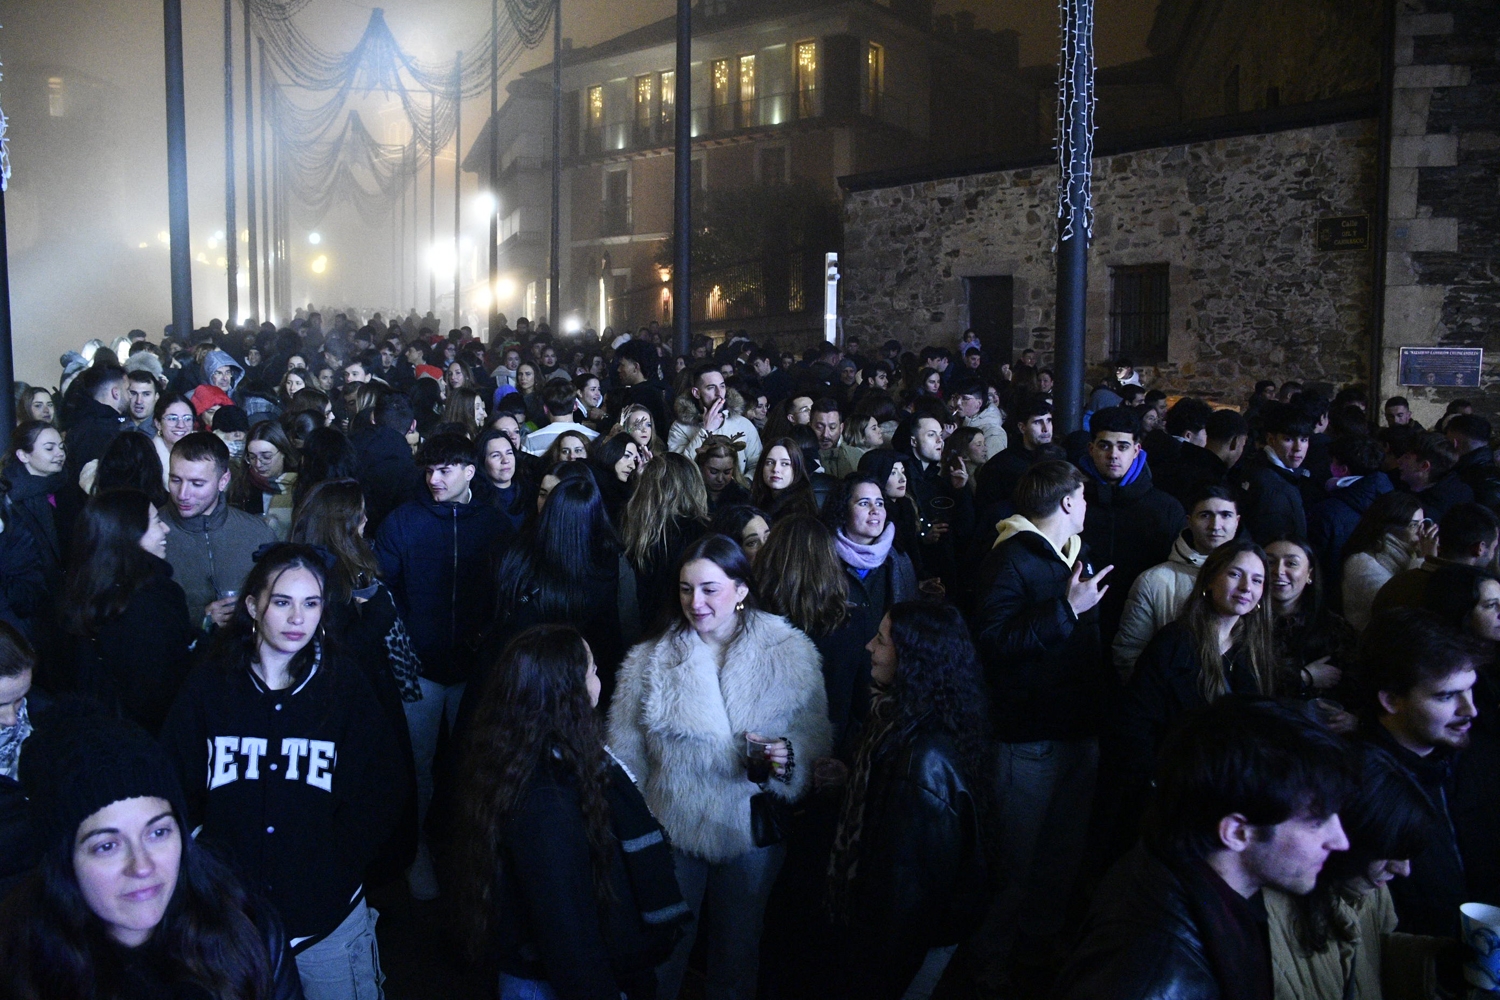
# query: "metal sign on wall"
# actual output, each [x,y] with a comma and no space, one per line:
[1450,366]
[1348,232]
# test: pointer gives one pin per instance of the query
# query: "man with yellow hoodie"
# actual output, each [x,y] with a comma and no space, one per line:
[1038,635]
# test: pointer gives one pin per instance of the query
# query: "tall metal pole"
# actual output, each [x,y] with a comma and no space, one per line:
[682,232]
[432,205]
[253,247]
[458,155]
[7,360]
[231,228]
[554,275]
[265,183]
[401,240]
[493,322]
[1075,147]
[177,176]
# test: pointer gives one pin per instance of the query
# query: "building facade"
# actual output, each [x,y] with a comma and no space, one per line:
[784,98]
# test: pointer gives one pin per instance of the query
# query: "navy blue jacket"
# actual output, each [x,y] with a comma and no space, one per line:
[1273,499]
[438,560]
[386,472]
[1332,520]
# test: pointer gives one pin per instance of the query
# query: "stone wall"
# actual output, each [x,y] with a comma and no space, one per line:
[1443,265]
[1251,296]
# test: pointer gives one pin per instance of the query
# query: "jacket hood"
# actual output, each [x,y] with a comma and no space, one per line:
[221,359]
[1017,525]
[1136,484]
[1184,554]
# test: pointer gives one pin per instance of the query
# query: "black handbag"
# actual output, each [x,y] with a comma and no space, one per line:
[770,819]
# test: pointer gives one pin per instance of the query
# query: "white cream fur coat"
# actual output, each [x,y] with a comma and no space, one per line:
[678,722]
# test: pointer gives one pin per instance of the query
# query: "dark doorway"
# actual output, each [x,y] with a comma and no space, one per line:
[992,314]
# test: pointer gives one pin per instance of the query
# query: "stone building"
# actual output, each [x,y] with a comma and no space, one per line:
[1205,266]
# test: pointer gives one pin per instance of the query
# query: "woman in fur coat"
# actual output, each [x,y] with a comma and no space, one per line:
[687,705]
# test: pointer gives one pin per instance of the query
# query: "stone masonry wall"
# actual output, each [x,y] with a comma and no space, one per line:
[1443,268]
[1251,296]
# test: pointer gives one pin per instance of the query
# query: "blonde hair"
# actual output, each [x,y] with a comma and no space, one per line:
[670,489]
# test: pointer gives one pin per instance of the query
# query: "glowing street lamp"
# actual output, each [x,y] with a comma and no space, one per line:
[319,264]
[315,238]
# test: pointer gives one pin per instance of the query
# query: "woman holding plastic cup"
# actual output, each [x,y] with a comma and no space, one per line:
[719,708]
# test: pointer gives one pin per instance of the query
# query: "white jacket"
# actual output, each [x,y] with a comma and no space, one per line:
[1156,598]
[687,434]
[678,723]
[992,425]
[1366,572]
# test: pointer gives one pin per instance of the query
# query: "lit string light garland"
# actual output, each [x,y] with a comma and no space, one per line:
[328,156]
[4,149]
[1075,108]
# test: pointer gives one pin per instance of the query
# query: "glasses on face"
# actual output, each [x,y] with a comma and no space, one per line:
[177,419]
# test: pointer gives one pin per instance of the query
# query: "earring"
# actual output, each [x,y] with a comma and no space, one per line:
[739,607]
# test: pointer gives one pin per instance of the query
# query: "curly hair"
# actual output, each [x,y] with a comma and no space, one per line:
[535,704]
[938,683]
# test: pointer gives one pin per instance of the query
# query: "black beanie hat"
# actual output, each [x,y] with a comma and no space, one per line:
[84,760]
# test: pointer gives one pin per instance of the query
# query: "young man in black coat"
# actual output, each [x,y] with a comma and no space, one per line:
[1247,796]
[1273,481]
[998,477]
[437,555]
[1037,630]
[1178,450]
[1469,434]
[1131,524]
[1422,673]
[98,419]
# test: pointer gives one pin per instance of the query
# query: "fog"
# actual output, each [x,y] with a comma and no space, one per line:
[87,205]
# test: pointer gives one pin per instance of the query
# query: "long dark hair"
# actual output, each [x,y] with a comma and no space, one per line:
[572,541]
[1390,514]
[797,498]
[326,454]
[1254,632]
[234,647]
[800,576]
[108,564]
[330,516]
[1390,819]
[131,462]
[534,704]
[53,945]
[723,552]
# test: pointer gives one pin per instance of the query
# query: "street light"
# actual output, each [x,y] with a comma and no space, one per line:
[319,264]
[315,238]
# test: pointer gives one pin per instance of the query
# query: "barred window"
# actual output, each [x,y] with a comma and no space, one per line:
[1140,311]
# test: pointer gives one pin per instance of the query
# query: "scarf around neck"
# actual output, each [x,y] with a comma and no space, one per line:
[11,738]
[865,557]
[843,862]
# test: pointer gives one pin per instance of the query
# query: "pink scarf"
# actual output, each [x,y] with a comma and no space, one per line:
[865,557]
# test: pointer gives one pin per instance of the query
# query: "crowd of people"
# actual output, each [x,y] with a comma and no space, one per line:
[827,674]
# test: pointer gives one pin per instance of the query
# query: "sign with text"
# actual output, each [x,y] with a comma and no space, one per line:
[1348,232]
[1455,366]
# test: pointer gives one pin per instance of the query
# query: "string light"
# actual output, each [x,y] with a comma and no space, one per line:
[1075,107]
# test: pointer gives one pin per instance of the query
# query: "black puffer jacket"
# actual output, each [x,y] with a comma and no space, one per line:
[386,472]
[31,502]
[1141,941]
[1043,664]
[139,659]
[1130,527]
[1478,470]
[1274,498]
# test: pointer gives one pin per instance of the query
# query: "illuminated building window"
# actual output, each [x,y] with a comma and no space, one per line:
[874,76]
[596,107]
[667,87]
[807,79]
[722,95]
[747,83]
[56,99]
[643,94]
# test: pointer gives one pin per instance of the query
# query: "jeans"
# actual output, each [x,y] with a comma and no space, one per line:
[729,899]
[1043,799]
[346,964]
[424,719]
[515,988]
[927,977]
